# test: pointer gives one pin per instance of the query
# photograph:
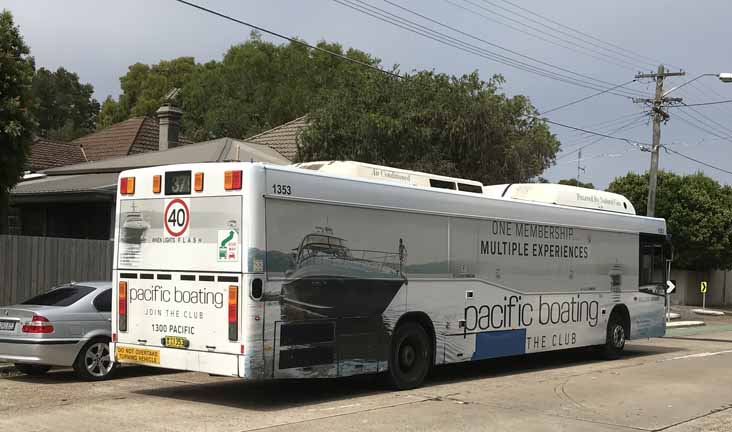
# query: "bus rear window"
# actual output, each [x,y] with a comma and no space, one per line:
[65,296]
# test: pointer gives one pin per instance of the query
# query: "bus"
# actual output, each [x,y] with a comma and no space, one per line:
[332,269]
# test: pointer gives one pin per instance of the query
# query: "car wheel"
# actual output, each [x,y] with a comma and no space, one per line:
[94,362]
[614,339]
[32,369]
[410,359]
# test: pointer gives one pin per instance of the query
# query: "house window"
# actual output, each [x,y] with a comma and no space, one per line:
[15,226]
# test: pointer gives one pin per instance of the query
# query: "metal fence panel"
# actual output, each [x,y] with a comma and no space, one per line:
[31,265]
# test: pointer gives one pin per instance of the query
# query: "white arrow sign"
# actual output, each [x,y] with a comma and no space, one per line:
[670,287]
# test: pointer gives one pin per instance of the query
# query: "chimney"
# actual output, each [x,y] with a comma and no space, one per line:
[169,119]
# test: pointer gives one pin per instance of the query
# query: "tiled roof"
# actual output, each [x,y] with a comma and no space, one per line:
[46,154]
[283,138]
[135,135]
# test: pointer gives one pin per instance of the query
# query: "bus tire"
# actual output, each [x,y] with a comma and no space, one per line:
[409,357]
[614,338]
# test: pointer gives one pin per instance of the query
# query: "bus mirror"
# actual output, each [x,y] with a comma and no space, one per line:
[670,286]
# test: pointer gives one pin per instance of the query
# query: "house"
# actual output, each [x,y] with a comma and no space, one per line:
[285,138]
[78,200]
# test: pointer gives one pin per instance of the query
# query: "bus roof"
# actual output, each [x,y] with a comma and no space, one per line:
[392,175]
[563,195]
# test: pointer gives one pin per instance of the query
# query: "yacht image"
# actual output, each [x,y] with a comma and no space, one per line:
[134,227]
[331,280]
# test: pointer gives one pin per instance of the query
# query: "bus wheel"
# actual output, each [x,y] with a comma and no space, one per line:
[615,338]
[409,360]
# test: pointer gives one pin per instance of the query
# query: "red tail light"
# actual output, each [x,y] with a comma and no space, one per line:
[122,309]
[38,324]
[233,312]
[127,186]
[232,180]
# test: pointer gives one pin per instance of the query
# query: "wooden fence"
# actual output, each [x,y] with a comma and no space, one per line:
[31,265]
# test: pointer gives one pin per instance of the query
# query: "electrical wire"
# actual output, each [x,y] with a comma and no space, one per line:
[411,26]
[702,104]
[641,57]
[583,40]
[441,24]
[292,40]
[634,123]
[561,42]
[585,98]
[706,164]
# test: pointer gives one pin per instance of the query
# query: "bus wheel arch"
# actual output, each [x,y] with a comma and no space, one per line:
[621,311]
[411,350]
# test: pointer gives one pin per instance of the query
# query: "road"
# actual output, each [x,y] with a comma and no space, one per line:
[673,384]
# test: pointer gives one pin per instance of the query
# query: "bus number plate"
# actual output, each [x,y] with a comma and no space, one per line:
[175,342]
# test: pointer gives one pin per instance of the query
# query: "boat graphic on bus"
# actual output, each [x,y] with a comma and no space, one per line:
[332,280]
[134,227]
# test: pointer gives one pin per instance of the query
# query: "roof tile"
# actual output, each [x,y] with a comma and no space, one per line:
[283,138]
[47,154]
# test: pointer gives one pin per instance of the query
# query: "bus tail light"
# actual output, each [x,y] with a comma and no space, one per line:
[198,182]
[122,309]
[232,180]
[127,186]
[157,183]
[233,312]
[38,324]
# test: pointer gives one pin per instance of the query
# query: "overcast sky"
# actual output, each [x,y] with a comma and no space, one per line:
[99,39]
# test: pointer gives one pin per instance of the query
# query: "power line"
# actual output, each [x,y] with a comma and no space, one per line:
[581,39]
[647,60]
[634,123]
[702,104]
[411,26]
[562,42]
[706,164]
[489,43]
[586,98]
[292,40]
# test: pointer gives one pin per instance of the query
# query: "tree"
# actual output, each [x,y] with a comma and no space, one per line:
[144,87]
[575,182]
[698,213]
[16,121]
[256,86]
[64,107]
[456,126]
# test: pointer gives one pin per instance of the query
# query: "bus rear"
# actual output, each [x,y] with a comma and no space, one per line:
[179,270]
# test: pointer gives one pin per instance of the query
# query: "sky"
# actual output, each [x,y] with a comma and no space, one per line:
[99,39]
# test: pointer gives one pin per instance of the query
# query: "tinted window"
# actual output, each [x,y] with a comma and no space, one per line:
[64,296]
[103,302]
[442,184]
[470,188]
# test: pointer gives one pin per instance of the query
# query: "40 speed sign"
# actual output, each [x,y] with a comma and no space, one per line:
[177,217]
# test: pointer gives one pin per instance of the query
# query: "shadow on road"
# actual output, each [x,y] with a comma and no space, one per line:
[282,394]
[67,376]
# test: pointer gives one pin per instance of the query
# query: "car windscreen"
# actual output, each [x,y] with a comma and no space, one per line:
[65,296]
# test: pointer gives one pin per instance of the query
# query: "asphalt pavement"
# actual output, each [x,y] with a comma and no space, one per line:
[677,384]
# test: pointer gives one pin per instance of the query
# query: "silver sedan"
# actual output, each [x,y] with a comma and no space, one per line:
[67,326]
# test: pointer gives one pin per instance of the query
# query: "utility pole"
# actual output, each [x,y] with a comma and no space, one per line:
[579,167]
[659,115]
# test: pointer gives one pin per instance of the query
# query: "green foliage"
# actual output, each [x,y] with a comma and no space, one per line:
[431,122]
[16,120]
[698,213]
[144,87]
[574,182]
[64,107]
[256,86]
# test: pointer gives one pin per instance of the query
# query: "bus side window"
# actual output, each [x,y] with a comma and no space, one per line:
[652,266]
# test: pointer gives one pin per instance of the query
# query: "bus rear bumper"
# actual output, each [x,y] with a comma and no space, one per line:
[223,364]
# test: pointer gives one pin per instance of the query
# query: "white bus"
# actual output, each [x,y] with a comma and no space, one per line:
[332,269]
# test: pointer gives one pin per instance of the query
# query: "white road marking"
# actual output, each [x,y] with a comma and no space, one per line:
[704,354]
